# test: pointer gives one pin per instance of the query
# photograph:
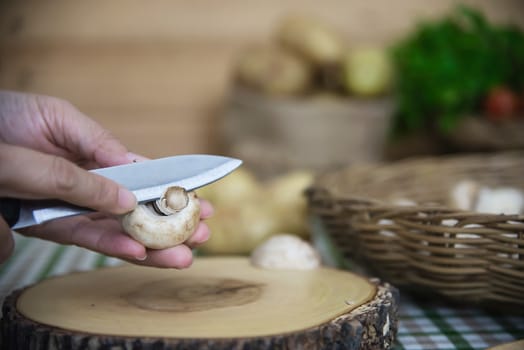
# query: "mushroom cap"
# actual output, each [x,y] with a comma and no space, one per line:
[285,251]
[157,231]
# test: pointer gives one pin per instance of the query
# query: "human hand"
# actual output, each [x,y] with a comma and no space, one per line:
[45,144]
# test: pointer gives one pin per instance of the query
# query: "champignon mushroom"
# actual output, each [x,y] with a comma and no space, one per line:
[165,223]
[285,251]
[464,195]
[500,200]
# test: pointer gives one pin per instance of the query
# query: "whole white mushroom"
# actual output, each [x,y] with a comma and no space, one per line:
[285,251]
[165,223]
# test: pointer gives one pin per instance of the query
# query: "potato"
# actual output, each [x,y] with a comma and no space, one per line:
[289,202]
[367,72]
[274,71]
[311,39]
[248,212]
[238,229]
[235,188]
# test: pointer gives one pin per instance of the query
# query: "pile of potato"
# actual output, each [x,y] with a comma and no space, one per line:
[307,56]
[249,211]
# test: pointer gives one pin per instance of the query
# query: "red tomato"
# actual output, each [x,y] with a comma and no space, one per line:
[521,110]
[501,104]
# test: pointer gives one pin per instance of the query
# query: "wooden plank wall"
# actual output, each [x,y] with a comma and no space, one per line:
[156,73]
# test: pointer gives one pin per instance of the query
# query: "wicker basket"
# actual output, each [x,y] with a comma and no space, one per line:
[429,245]
[475,134]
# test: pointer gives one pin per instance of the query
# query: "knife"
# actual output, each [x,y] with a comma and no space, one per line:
[146,179]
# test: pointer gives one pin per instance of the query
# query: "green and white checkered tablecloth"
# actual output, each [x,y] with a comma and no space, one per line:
[423,325]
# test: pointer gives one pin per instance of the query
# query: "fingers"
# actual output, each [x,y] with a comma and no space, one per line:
[29,174]
[200,236]
[83,136]
[55,126]
[206,209]
[72,130]
[178,257]
[7,242]
[104,236]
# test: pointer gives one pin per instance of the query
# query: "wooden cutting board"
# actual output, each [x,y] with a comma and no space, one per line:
[514,345]
[218,303]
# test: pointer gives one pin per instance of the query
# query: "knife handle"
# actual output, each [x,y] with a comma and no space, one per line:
[10,210]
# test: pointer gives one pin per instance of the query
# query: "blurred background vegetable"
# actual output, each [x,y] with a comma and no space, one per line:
[447,67]
[307,56]
[249,210]
[367,72]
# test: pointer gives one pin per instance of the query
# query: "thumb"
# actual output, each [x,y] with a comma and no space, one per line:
[29,174]
[7,242]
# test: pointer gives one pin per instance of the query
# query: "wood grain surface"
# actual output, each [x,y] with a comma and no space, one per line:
[249,301]
[220,303]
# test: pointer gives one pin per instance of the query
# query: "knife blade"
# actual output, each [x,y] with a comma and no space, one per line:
[146,179]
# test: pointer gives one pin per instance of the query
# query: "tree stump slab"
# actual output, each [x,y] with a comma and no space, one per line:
[218,303]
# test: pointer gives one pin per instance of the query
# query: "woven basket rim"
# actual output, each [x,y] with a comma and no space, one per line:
[433,245]
[383,204]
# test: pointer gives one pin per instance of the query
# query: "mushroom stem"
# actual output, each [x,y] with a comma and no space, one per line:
[172,201]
